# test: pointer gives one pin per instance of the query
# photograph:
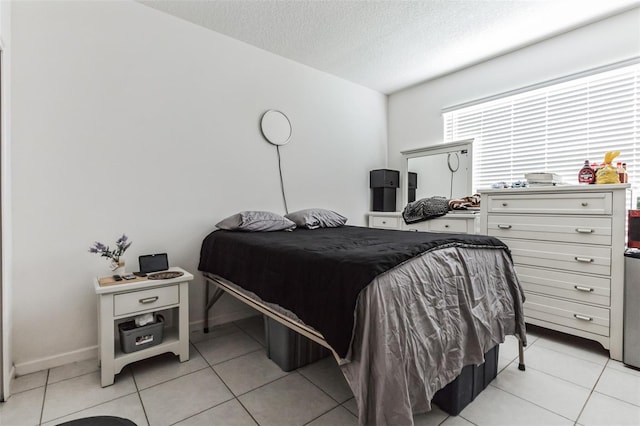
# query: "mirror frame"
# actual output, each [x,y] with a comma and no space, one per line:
[433,150]
[273,125]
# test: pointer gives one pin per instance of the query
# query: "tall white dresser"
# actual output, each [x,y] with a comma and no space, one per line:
[567,244]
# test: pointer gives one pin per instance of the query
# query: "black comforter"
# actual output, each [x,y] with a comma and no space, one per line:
[318,274]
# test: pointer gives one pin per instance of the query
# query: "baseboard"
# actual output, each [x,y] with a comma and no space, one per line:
[92,351]
[235,315]
[56,360]
[7,390]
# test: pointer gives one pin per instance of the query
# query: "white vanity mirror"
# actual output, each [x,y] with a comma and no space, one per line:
[440,170]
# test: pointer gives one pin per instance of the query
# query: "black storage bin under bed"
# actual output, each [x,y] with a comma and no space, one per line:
[291,350]
[472,380]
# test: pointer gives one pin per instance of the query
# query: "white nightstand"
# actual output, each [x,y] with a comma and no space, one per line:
[121,302]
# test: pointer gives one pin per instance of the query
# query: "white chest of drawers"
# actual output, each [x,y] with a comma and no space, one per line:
[567,244]
[457,223]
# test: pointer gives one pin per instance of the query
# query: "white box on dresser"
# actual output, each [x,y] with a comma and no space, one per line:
[567,244]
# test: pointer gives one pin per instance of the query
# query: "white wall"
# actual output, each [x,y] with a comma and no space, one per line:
[415,114]
[129,120]
[5,190]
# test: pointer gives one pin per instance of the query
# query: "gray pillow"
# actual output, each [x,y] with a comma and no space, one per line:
[317,218]
[253,221]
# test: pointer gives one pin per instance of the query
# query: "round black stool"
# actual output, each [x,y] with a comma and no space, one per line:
[99,421]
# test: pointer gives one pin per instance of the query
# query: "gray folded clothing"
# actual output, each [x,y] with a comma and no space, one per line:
[425,209]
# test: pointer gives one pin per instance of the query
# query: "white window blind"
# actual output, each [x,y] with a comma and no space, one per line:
[553,128]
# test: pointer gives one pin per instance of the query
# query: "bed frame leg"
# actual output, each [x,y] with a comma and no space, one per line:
[208,303]
[521,366]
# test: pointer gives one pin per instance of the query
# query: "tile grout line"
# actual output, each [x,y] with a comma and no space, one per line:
[323,391]
[44,396]
[91,406]
[247,410]
[135,383]
[225,385]
[531,402]
[557,377]
[591,392]
[574,356]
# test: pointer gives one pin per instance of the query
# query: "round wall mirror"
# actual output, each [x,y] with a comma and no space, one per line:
[275,127]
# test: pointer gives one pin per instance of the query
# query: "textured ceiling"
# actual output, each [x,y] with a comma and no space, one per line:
[393,44]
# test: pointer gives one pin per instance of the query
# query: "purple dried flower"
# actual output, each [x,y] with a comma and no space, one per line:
[121,246]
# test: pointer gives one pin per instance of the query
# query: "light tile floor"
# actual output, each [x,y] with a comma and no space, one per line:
[230,381]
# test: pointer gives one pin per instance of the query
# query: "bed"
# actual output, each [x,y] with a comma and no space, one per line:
[402,312]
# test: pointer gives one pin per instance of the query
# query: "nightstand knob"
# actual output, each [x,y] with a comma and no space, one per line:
[504,204]
[446,226]
[584,204]
[384,222]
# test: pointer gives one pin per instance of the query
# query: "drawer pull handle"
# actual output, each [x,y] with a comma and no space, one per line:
[446,226]
[582,317]
[584,230]
[504,204]
[148,299]
[583,259]
[500,226]
[384,222]
[584,204]
[580,288]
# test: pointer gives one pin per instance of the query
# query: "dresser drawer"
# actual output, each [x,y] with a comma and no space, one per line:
[568,257]
[578,288]
[582,203]
[384,222]
[569,314]
[138,301]
[570,229]
[444,224]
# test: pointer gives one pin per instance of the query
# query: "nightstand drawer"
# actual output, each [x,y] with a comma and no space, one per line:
[568,314]
[568,229]
[138,301]
[581,203]
[568,257]
[590,289]
[384,222]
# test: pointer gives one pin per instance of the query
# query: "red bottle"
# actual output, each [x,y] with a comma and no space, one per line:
[587,174]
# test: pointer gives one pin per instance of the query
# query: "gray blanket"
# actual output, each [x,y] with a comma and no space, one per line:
[420,323]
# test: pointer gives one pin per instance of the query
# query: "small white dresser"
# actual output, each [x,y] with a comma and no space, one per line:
[567,244]
[120,302]
[457,223]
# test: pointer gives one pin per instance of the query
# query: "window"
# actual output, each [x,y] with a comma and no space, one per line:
[554,128]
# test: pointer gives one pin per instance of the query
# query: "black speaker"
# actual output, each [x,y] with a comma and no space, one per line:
[384,178]
[412,184]
[384,199]
[413,180]
[383,184]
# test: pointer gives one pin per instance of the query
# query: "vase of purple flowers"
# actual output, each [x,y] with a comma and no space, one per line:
[114,256]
